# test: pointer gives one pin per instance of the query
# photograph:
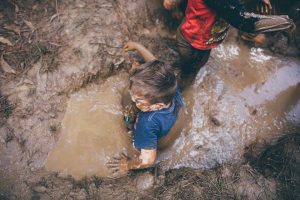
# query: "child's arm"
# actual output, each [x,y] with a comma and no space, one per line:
[145,53]
[173,4]
[122,164]
[146,159]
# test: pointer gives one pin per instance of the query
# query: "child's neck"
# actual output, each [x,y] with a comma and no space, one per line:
[160,107]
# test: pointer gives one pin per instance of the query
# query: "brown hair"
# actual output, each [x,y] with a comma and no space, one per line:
[155,81]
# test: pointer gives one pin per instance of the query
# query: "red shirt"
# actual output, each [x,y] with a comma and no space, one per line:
[202,28]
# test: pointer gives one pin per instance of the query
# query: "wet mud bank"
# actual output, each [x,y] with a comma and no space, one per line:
[243,96]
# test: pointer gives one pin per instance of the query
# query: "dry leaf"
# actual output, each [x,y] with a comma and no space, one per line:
[30,25]
[119,62]
[13,28]
[25,81]
[16,8]
[5,41]
[6,67]
[28,81]
[53,17]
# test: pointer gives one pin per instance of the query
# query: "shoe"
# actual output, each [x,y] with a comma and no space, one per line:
[257,39]
[270,23]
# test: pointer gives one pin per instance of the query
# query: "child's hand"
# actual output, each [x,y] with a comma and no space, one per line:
[265,7]
[130,46]
[169,4]
[135,65]
[119,165]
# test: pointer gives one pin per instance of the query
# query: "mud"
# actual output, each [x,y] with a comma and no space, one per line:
[256,91]
[222,114]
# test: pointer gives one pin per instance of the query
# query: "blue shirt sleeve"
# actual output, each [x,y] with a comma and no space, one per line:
[178,98]
[146,133]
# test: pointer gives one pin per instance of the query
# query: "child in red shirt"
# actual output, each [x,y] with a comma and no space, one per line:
[206,24]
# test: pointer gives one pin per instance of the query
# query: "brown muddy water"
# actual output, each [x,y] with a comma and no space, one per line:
[242,96]
[92,131]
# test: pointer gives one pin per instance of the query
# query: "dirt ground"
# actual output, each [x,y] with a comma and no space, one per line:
[52,49]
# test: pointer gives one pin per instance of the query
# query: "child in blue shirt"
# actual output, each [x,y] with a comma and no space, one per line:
[153,88]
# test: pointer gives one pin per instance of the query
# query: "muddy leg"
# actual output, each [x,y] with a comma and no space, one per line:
[190,61]
[235,14]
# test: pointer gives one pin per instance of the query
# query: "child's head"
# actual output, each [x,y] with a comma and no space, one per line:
[153,85]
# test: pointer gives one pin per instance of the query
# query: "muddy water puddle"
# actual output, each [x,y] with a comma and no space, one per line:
[92,131]
[240,97]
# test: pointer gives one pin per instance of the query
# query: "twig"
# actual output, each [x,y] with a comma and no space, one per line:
[107,45]
[56,5]
[82,22]
[55,44]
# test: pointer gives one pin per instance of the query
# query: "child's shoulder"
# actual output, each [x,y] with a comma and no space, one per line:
[148,116]
[159,116]
[150,119]
[147,121]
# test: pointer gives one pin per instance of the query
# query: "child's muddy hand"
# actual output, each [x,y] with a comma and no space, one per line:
[267,4]
[130,46]
[265,7]
[135,65]
[169,4]
[118,165]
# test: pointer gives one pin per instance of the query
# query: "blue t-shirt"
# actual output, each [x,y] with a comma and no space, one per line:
[151,126]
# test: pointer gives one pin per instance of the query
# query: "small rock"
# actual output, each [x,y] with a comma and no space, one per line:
[39,189]
[144,182]
[215,121]
[62,175]
[32,169]
[52,114]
